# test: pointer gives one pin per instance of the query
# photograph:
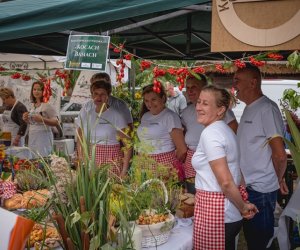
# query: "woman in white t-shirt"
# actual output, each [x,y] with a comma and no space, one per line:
[192,127]
[105,127]
[41,118]
[160,131]
[218,176]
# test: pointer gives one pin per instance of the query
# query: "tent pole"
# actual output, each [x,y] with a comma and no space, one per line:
[43,47]
[207,43]
[183,11]
[188,34]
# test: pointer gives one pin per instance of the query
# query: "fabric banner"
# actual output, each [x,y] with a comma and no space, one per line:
[14,230]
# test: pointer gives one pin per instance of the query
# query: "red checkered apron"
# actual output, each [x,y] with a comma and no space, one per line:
[188,168]
[167,159]
[209,225]
[110,154]
[7,189]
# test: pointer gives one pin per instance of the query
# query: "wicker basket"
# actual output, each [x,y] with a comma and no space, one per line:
[158,233]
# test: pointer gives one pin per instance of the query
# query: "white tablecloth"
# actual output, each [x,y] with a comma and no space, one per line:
[20,152]
[292,210]
[181,238]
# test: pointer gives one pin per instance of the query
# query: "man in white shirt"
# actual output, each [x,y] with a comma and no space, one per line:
[263,157]
[176,100]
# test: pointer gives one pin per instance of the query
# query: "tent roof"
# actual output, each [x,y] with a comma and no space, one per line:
[156,29]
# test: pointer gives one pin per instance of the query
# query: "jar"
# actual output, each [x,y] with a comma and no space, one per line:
[30,118]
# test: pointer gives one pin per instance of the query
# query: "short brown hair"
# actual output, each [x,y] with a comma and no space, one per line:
[149,89]
[6,92]
[102,76]
[200,79]
[101,85]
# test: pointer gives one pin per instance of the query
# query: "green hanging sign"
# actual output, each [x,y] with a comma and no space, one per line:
[87,52]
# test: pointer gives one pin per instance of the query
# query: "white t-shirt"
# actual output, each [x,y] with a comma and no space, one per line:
[217,141]
[260,121]
[229,116]
[177,103]
[193,128]
[115,102]
[46,110]
[102,128]
[120,105]
[154,131]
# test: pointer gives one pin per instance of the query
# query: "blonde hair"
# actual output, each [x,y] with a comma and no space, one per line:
[6,92]
[223,97]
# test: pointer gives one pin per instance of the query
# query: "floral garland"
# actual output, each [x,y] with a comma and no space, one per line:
[64,78]
[181,73]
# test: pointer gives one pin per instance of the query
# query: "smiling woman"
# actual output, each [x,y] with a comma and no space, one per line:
[161,130]
[218,176]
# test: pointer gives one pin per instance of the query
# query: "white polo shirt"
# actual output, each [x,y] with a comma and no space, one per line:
[217,141]
[192,127]
[115,102]
[260,121]
[154,131]
[102,128]
[229,116]
[121,106]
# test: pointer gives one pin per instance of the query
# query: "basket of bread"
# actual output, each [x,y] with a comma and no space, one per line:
[44,237]
[27,200]
[156,226]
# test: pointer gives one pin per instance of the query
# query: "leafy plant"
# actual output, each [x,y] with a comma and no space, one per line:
[133,100]
[294,60]
[31,179]
[291,99]
[136,195]
[295,145]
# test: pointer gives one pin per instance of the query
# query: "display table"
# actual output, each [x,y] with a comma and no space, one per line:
[20,152]
[291,211]
[65,146]
[181,238]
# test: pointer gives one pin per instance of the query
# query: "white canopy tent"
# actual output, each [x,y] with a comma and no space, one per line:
[28,62]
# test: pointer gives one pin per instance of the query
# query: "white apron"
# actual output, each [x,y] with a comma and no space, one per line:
[10,126]
[40,138]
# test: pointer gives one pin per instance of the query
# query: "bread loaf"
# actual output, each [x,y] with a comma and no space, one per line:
[186,208]
[14,202]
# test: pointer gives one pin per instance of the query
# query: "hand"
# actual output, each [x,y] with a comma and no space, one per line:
[180,155]
[123,173]
[249,211]
[16,141]
[26,117]
[283,187]
[38,118]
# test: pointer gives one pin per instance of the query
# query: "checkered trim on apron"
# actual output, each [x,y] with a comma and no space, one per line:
[110,154]
[209,225]
[7,189]
[167,159]
[188,168]
[243,192]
